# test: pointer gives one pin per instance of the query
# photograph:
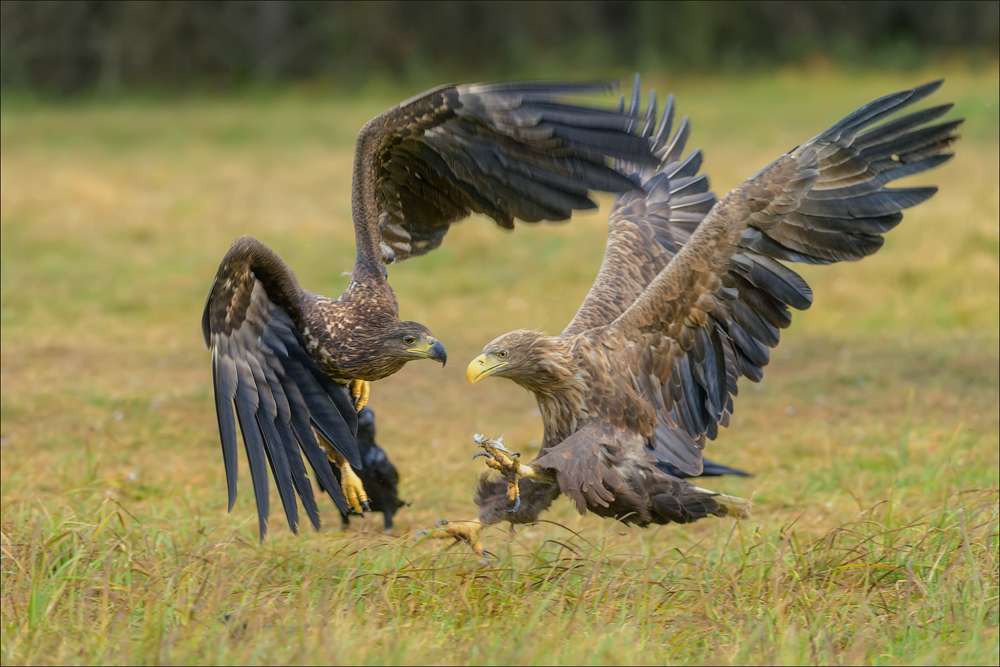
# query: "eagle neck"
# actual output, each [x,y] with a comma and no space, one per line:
[343,335]
[562,412]
[559,386]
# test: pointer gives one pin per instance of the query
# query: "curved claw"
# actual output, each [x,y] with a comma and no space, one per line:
[459,531]
[354,489]
[478,454]
[517,504]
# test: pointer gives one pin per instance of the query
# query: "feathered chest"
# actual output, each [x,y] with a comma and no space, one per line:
[602,389]
[343,335]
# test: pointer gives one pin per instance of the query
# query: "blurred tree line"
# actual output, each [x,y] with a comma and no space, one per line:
[66,47]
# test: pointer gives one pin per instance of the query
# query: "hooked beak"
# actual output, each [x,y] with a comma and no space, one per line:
[482,367]
[432,349]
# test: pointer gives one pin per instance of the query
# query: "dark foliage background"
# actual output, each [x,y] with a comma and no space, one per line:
[65,47]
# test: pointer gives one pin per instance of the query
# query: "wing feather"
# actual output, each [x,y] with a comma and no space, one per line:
[246,407]
[506,150]
[266,381]
[714,311]
[643,228]
[224,381]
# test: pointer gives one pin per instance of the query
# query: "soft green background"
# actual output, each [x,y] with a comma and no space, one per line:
[876,423]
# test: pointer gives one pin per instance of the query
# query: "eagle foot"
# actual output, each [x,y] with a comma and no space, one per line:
[361,391]
[460,531]
[353,489]
[508,464]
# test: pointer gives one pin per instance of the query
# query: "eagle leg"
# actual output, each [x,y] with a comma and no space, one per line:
[361,391]
[508,464]
[460,531]
[353,489]
[350,483]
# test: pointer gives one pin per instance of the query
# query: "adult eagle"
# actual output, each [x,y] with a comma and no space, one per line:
[683,307]
[284,355]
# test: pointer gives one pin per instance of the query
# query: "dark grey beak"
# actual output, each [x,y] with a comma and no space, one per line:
[438,353]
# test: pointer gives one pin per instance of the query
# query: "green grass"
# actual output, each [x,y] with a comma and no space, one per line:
[874,436]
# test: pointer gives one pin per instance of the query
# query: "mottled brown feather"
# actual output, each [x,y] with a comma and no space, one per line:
[648,368]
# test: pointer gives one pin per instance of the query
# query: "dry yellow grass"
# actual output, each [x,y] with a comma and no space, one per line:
[879,411]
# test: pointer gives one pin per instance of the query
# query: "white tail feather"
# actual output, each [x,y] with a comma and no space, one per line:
[739,507]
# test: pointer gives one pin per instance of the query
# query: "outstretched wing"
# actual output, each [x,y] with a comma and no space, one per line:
[647,227]
[506,150]
[715,311]
[261,368]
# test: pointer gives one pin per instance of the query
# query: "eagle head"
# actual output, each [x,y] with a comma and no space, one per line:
[408,341]
[532,359]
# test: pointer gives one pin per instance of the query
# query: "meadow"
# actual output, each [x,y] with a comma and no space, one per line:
[873,437]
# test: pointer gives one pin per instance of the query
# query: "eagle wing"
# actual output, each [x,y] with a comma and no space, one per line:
[713,313]
[506,150]
[647,227]
[265,379]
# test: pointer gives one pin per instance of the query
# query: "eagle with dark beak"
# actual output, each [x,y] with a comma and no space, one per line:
[287,363]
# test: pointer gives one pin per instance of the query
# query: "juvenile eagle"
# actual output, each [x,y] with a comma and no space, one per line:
[285,355]
[683,307]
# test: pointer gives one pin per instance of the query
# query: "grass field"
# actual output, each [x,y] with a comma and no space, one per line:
[874,436]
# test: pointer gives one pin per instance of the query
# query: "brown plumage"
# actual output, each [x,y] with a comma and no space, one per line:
[689,298]
[283,354]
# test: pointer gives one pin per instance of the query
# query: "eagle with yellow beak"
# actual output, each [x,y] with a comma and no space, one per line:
[691,296]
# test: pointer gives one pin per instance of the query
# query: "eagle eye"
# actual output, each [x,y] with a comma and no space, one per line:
[502,354]
[409,340]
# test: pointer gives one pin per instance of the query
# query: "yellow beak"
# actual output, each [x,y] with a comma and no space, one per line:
[481,367]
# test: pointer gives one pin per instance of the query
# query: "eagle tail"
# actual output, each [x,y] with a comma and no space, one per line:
[731,505]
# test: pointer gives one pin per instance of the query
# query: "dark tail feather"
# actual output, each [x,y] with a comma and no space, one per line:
[676,501]
[710,469]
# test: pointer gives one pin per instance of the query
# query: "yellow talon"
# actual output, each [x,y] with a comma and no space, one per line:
[460,531]
[361,391]
[352,487]
[508,464]
[350,483]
